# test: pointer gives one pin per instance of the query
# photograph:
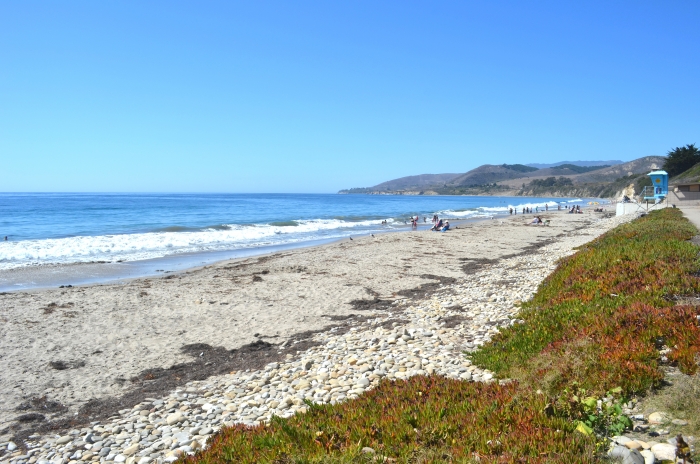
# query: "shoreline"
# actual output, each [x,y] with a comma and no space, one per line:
[78,274]
[36,262]
[71,345]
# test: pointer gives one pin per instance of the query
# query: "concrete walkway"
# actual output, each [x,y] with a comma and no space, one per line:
[692,213]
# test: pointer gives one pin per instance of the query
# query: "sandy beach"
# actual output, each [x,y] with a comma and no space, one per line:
[61,348]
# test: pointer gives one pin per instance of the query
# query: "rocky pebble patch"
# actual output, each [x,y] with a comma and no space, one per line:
[421,336]
[650,440]
[636,451]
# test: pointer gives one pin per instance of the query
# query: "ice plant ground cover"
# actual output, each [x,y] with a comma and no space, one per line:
[601,318]
[594,330]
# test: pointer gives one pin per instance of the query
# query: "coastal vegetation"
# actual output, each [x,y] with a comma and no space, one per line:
[578,169]
[599,321]
[681,159]
[565,187]
[692,175]
[591,336]
[638,181]
[538,186]
[519,167]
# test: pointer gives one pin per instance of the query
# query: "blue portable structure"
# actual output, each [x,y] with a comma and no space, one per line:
[658,191]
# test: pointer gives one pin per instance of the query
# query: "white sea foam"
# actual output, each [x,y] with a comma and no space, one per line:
[467,214]
[157,244]
[495,209]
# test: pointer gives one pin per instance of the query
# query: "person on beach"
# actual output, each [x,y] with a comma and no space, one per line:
[546,207]
[510,211]
[437,226]
[446,227]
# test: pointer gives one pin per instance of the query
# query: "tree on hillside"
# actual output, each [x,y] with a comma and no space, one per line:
[519,167]
[681,159]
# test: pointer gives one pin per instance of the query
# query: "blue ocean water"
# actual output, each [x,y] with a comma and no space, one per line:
[67,228]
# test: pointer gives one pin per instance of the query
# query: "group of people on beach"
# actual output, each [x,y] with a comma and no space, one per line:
[439,226]
[528,210]
[414,222]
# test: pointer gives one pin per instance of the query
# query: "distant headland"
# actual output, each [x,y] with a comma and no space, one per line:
[601,179]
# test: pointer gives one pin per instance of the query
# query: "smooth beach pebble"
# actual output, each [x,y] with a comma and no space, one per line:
[174,418]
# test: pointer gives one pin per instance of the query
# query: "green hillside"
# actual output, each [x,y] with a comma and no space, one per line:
[691,175]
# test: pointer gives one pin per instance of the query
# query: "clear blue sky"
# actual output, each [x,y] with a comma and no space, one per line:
[299,96]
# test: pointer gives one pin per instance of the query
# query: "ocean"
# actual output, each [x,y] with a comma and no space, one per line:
[66,228]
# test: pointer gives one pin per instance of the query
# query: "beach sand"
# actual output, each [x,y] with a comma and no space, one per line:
[64,347]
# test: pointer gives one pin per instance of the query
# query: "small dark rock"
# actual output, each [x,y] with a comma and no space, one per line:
[63,365]
[31,417]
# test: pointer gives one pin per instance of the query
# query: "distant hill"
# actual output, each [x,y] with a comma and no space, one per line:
[604,183]
[576,163]
[565,170]
[490,173]
[413,182]
[565,179]
[638,166]
[575,169]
